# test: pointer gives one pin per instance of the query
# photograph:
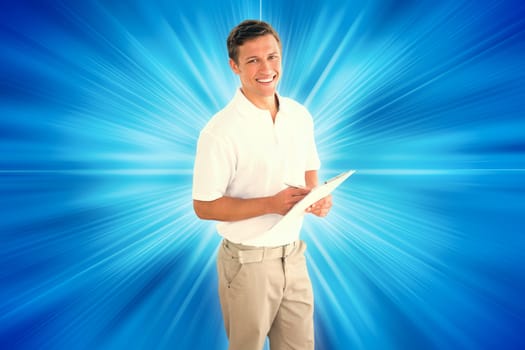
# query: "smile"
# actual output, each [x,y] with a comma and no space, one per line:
[266,80]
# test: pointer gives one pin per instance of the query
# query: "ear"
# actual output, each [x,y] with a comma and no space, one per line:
[234,66]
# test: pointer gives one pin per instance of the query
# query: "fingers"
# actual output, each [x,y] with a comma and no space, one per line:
[296,194]
[322,207]
[287,198]
[294,191]
[320,212]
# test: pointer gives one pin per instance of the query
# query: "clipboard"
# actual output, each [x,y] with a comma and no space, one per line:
[315,194]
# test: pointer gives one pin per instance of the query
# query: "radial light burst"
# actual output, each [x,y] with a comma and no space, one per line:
[101,107]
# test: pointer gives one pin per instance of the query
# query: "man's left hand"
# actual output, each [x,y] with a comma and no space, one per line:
[321,207]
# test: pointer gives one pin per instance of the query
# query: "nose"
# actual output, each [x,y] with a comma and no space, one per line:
[265,65]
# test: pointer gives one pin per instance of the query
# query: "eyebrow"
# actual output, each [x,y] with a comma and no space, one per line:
[270,54]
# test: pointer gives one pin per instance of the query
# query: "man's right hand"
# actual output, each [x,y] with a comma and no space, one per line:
[284,200]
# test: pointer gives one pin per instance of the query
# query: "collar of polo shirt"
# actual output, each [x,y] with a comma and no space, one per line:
[247,108]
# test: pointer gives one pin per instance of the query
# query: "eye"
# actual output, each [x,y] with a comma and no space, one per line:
[273,57]
[253,60]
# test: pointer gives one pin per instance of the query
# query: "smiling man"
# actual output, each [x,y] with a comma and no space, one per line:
[246,155]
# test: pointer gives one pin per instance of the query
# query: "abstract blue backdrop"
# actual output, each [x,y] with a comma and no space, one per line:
[101,106]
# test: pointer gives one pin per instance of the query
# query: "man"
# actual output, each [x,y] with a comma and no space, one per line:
[246,155]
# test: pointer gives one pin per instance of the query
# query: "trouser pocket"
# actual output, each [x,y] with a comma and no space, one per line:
[229,266]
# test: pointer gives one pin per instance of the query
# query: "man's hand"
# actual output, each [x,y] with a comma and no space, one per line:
[321,207]
[287,198]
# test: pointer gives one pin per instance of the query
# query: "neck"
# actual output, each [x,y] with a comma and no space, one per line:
[269,103]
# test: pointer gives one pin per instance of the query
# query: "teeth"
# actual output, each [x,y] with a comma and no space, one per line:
[269,80]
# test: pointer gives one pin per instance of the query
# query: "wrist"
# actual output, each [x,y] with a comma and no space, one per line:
[268,205]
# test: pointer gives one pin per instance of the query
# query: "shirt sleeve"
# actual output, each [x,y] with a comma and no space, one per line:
[213,169]
[312,157]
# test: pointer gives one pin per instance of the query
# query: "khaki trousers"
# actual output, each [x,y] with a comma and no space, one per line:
[266,292]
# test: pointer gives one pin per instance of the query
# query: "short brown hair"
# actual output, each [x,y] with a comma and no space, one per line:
[247,30]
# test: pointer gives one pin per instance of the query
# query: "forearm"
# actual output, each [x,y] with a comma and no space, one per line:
[311,178]
[233,209]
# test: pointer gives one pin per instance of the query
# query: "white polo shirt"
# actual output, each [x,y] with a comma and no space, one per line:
[241,153]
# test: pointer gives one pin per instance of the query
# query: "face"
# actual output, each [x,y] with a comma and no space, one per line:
[258,67]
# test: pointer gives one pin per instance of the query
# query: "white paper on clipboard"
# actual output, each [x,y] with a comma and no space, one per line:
[315,194]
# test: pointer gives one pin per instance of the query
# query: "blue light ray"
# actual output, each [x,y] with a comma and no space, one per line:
[101,106]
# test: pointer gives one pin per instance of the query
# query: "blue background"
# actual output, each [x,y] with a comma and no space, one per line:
[101,106]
